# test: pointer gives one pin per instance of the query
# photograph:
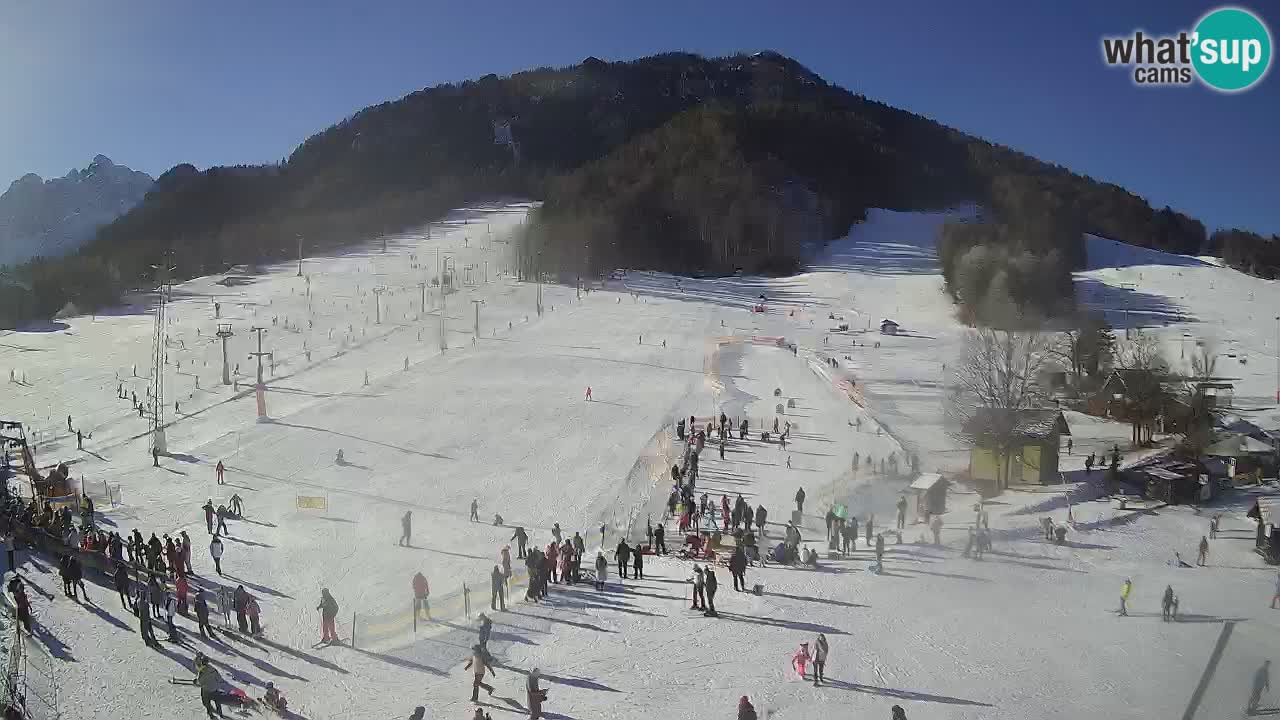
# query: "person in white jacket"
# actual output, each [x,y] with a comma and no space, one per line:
[215,552]
[171,608]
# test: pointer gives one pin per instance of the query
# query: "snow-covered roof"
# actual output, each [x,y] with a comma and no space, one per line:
[1028,423]
[926,481]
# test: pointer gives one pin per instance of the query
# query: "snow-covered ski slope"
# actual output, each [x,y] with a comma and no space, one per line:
[500,418]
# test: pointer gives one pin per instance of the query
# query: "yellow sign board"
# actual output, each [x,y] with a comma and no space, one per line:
[313,502]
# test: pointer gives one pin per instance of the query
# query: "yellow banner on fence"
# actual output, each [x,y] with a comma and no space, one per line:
[313,502]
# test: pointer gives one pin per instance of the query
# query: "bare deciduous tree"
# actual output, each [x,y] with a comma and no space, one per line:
[1145,374]
[997,379]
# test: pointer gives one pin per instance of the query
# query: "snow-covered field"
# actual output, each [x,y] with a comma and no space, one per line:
[500,418]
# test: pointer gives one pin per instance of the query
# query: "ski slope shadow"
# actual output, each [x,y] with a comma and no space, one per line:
[263,665]
[903,694]
[562,621]
[305,657]
[56,647]
[408,451]
[577,682]
[806,598]
[401,662]
[799,625]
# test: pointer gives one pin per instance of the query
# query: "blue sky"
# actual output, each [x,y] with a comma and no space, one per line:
[152,84]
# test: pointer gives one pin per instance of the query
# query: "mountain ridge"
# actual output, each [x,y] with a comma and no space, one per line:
[49,218]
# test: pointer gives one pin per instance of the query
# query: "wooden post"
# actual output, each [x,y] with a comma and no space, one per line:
[353,631]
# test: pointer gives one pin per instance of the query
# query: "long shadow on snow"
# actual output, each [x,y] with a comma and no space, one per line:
[903,694]
[562,621]
[250,585]
[305,657]
[806,598]
[788,624]
[561,680]
[409,451]
[1125,308]
[259,663]
[402,662]
[57,648]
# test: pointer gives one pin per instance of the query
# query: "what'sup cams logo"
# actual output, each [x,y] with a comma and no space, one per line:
[1229,51]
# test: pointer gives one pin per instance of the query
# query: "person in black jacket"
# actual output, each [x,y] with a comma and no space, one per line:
[521,538]
[711,583]
[202,617]
[497,587]
[659,540]
[638,563]
[738,568]
[623,556]
[122,584]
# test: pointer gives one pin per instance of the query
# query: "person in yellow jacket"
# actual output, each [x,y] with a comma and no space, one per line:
[1125,589]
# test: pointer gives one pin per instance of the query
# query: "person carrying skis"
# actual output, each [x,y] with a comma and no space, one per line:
[497,588]
[801,659]
[819,659]
[602,570]
[421,591]
[623,556]
[215,552]
[328,608]
[475,510]
[521,538]
[800,500]
[406,528]
[478,665]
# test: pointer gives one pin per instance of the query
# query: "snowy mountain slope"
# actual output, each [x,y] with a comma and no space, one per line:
[54,217]
[1029,631]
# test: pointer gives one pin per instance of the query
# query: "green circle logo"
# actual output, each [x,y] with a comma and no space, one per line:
[1232,49]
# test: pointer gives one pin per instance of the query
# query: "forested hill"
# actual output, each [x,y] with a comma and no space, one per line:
[674,161]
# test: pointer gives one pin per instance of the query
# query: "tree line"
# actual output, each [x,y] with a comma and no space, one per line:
[675,162]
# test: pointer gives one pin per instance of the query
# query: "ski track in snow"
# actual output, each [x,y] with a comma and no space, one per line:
[1029,631]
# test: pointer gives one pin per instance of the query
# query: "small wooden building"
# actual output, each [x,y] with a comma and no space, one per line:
[931,494]
[889,327]
[1033,457]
